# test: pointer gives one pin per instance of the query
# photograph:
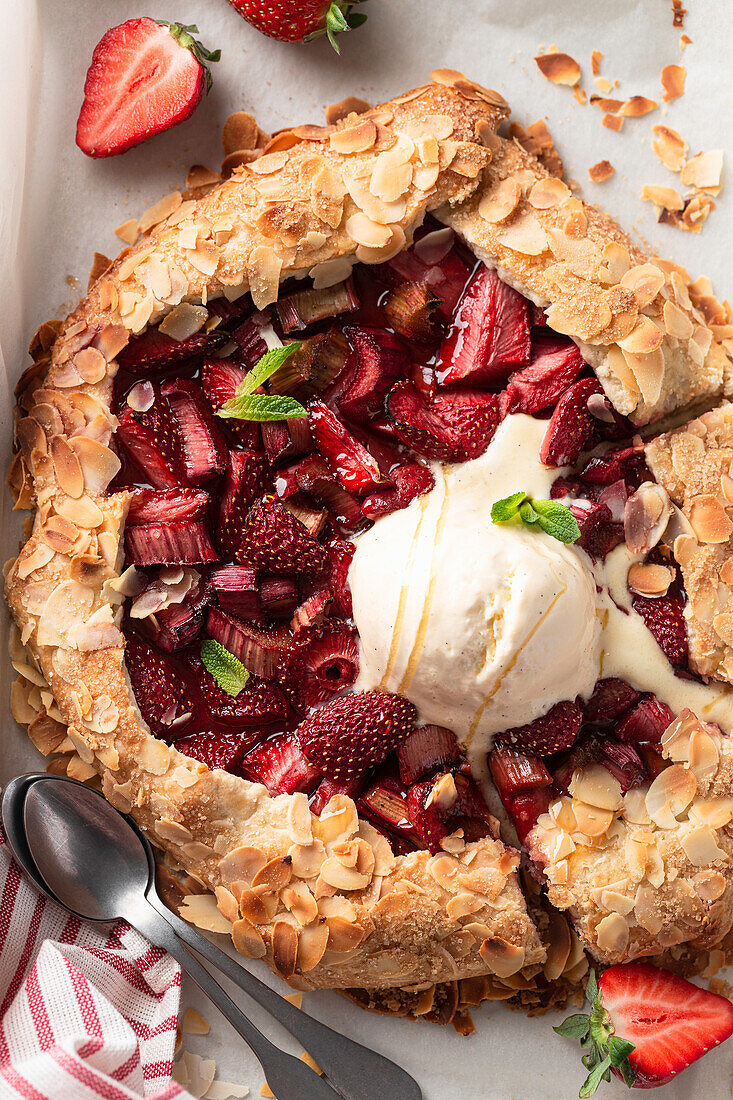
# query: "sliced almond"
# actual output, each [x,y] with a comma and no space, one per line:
[548,192]
[673,81]
[670,147]
[601,171]
[664,198]
[559,68]
[709,519]
[248,940]
[669,795]
[637,106]
[284,948]
[498,203]
[649,579]
[704,171]
[312,942]
[502,958]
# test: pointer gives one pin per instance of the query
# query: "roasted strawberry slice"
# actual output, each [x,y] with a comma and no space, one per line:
[219,750]
[356,469]
[236,591]
[556,363]
[610,699]
[410,480]
[161,693]
[274,541]
[313,610]
[166,505]
[259,704]
[154,351]
[646,722]
[351,734]
[279,764]
[572,429]
[378,359]
[427,748]
[327,788]
[278,596]
[286,439]
[430,824]
[169,544]
[490,335]
[453,428]
[410,310]
[625,464]
[311,475]
[247,478]
[515,773]
[524,810]
[260,651]
[320,661]
[151,441]
[598,533]
[340,552]
[385,804]
[553,732]
[219,381]
[664,617]
[297,311]
[202,447]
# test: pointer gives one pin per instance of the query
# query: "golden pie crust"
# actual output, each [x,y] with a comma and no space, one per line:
[324,901]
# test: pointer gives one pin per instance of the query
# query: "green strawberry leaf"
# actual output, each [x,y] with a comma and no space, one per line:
[596,1035]
[574,1027]
[597,1074]
[261,406]
[506,510]
[228,671]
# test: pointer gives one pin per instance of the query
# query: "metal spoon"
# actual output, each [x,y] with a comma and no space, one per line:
[97,862]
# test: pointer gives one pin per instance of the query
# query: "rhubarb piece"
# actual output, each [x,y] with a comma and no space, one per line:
[161,693]
[646,722]
[166,505]
[572,429]
[409,308]
[515,773]
[556,363]
[490,335]
[301,309]
[313,610]
[624,463]
[328,788]
[219,381]
[598,533]
[274,541]
[664,618]
[169,544]
[524,810]
[218,750]
[180,624]
[202,447]
[340,553]
[286,439]
[247,478]
[427,748]
[260,703]
[610,699]
[260,651]
[313,519]
[313,476]
[279,764]
[443,270]
[278,596]
[624,764]
[378,359]
[410,481]
[553,732]
[385,804]
[353,733]
[313,367]
[429,823]
[151,441]
[154,351]
[236,591]
[252,344]
[356,469]
[454,428]
[320,661]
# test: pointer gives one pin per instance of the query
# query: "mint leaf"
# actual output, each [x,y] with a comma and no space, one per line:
[557,520]
[527,514]
[594,1078]
[228,671]
[574,1027]
[503,511]
[261,406]
[266,366]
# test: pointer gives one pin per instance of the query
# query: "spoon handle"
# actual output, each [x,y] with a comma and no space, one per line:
[288,1077]
[350,1067]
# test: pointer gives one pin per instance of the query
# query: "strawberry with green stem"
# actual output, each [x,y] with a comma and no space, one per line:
[301,20]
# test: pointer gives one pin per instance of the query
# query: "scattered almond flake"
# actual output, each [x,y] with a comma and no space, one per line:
[664,198]
[685,40]
[295,999]
[703,172]
[225,1090]
[199,175]
[601,172]
[201,910]
[128,231]
[537,140]
[637,106]
[670,147]
[613,122]
[309,1061]
[697,211]
[267,1091]
[595,62]
[194,1073]
[580,95]
[559,68]
[193,1023]
[603,85]
[611,105]
[673,81]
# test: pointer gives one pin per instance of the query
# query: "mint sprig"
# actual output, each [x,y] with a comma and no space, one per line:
[248,405]
[228,671]
[604,1048]
[550,516]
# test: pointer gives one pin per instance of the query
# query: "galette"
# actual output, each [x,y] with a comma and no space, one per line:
[357,570]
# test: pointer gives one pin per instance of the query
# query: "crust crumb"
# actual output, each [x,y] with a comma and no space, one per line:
[601,172]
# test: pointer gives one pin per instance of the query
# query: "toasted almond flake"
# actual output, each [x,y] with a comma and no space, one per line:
[242,863]
[644,281]
[201,910]
[198,177]
[649,579]
[91,365]
[700,846]
[596,786]
[82,512]
[391,175]
[613,122]
[502,958]
[559,68]
[546,193]
[351,105]
[709,519]
[676,321]
[704,171]
[99,464]
[601,171]
[673,81]
[612,933]
[343,935]
[645,338]
[592,821]
[184,320]
[264,267]
[354,139]
[664,198]
[248,940]
[524,235]
[669,795]
[68,468]
[284,948]
[307,859]
[709,885]
[270,162]
[612,106]
[498,203]
[367,232]
[298,899]
[275,875]
[637,106]
[603,85]
[193,1023]
[239,132]
[670,147]
[395,244]
[312,942]
[595,62]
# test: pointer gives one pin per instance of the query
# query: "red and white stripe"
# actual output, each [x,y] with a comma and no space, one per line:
[85,1011]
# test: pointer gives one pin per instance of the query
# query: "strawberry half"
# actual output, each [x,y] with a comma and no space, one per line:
[356,469]
[556,363]
[351,734]
[151,440]
[161,693]
[454,427]
[144,77]
[646,1025]
[247,477]
[274,541]
[219,381]
[280,765]
[378,359]
[553,732]
[218,750]
[258,704]
[300,20]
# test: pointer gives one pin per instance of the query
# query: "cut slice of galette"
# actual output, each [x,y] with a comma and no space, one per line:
[342,526]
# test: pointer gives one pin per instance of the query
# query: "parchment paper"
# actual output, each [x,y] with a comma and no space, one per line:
[57,207]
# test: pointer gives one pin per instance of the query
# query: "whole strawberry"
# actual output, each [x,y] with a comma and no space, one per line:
[353,733]
[300,20]
[145,77]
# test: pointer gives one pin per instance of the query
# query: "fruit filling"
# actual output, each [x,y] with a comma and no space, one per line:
[263,451]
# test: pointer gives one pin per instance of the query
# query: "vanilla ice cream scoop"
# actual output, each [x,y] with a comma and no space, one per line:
[482,626]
